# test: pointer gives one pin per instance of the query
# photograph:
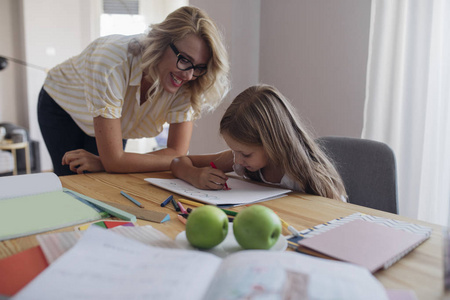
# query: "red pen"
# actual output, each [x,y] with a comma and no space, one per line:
[214,166]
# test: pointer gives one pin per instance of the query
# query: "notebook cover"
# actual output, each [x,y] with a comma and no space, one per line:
[364,243]
[19,269]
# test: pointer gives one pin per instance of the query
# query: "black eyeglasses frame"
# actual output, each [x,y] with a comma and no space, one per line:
[202,69]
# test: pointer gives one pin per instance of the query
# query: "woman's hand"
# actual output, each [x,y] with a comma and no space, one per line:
[81,160]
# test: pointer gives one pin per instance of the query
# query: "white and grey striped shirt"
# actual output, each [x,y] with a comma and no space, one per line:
[105,80]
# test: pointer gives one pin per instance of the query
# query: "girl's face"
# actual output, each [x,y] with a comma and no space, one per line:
[250,157]
[191,47]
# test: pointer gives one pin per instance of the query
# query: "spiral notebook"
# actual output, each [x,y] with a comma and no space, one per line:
[372,242]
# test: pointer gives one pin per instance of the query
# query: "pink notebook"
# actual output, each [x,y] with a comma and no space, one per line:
[364,243]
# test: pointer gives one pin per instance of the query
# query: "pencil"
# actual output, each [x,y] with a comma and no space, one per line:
[189,202]
[229,212]
[182,208]
[165,202]
[182,219]
[175,205]
[131,199]
[214,166]
[289,227]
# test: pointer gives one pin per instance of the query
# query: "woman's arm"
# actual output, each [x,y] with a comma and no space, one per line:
[178,139]
[114,159]
[196,169]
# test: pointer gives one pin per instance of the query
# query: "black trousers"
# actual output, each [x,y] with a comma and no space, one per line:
[61,133]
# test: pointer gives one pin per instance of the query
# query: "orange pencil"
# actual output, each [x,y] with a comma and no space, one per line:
[182,219]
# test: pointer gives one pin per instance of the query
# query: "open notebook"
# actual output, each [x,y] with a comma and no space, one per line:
[106,265]
[35,203]
[369,241]
[241,191]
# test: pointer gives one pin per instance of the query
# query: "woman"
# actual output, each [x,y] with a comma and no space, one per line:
[123,87]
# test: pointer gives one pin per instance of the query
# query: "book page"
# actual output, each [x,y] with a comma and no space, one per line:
[57,243]
[29,184]
[106,265]
[289,275]
[241,192]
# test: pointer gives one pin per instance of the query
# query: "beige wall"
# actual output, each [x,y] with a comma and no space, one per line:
[12,78]
[317,57]
[314,52]
[240,23]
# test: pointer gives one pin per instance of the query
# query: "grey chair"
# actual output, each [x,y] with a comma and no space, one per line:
[367,168]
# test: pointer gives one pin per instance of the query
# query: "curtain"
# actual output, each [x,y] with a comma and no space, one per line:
[407,103]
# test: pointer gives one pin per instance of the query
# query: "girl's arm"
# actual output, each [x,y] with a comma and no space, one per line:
[112,157]
[196,169]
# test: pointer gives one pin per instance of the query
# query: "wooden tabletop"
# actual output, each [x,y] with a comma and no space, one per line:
[421,270]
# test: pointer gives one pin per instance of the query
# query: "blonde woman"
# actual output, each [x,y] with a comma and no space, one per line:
[268,143]
[123,87]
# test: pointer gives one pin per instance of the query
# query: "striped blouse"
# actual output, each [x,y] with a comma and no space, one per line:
[105,80]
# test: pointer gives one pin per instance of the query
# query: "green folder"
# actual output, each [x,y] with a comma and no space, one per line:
[27,215]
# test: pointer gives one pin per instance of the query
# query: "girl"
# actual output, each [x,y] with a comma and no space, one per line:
[268,144]
[123,87]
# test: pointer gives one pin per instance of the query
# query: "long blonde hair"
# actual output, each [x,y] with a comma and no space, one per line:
[262,116]
[206,91]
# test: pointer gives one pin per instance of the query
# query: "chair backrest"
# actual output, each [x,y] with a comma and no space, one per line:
[368,170]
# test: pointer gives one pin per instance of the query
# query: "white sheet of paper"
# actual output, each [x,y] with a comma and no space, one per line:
[29,184]
[106,265]
[241,192]
[56,244]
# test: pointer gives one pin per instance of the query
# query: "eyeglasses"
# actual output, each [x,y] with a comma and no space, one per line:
[185,64]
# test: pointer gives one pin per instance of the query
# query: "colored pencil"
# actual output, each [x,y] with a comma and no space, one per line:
[175,205]
[214,166]
[182,209]
[189,202]
[165,202]
[131,199]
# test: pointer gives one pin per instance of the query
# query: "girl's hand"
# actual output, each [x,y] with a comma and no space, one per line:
[208,178]
[81,161]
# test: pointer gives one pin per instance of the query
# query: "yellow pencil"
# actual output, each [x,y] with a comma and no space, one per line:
[189,202]
[289,227]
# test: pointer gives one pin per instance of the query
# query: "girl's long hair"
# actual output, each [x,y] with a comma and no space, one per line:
[262,116]
[207,91]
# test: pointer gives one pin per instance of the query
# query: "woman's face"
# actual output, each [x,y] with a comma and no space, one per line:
[191,47]
[250,157]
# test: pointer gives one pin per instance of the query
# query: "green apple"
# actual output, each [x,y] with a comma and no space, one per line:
[206,227]
[256,227]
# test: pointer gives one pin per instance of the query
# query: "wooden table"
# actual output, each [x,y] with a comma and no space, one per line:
[421,270]
[13,147]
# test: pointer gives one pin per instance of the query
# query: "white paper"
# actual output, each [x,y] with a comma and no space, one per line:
[57,243]
[241,192]
[28,184]
[106,265]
